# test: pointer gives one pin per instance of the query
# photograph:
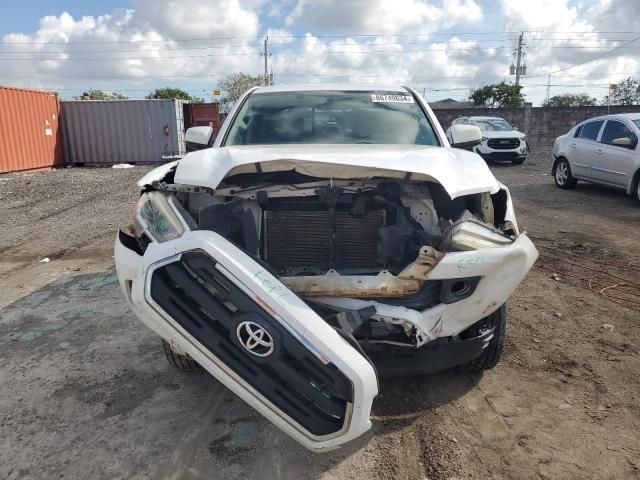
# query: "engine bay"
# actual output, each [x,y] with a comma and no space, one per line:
[349,227]
[362,239]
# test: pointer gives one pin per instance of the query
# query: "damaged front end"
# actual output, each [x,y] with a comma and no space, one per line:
[293,286]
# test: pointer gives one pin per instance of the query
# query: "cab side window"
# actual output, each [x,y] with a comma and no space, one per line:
[589,131]
[613,130]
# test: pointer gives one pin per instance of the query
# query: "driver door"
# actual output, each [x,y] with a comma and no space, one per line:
[583,149]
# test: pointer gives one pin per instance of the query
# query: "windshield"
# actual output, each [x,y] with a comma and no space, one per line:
[337,117]
[491,124]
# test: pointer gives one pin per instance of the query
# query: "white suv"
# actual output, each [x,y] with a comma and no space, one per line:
[601,150]
[500,141]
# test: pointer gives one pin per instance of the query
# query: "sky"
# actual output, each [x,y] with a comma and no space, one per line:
[442,48]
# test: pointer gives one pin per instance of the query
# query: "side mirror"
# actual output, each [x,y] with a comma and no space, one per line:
[516,129]
[197,138]
[623,142]
[465,136]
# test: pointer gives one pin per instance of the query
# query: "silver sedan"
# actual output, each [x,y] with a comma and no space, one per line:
[601,150]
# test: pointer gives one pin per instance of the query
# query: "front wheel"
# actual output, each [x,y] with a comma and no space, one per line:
[491,355]
[518,161]
[181,362]
[563,177]
[636,191]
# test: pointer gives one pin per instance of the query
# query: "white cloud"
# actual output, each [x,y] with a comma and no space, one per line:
[197,19]
[143,48]
[381,16]
[616,15]
[138,44]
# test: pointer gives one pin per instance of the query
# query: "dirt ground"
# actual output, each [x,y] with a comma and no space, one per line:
[86,393]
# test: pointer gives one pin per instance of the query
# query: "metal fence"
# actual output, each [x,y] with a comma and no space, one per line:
[122,131]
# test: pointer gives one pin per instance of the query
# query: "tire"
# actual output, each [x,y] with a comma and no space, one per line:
[178,361]
[562,175]
[635,190]
[491,355]
[519,161]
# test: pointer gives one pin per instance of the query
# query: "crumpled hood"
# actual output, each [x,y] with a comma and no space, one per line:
[460,172]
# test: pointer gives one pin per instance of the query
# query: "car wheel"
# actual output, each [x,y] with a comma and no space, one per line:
[181,362]
[637,189]
[519,161]
[491,355]
[563,177]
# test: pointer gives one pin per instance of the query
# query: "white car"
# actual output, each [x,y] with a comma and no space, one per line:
[330,236]
[500,141]
[600,150]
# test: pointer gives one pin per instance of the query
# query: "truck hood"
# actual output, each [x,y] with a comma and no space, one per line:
[460,172]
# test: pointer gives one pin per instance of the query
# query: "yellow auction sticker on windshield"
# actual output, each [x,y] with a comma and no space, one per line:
[392,98]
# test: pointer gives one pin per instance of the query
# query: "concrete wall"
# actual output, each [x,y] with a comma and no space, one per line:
[541,124]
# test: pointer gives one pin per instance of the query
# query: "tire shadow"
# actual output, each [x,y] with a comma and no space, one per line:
[402,400]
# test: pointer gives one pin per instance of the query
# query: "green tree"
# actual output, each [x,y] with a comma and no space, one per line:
[100,95]
[570,100]
[497,95]
[626,93]
[235,85]
[169,93]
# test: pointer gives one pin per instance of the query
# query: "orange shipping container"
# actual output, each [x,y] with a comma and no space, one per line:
[29,134]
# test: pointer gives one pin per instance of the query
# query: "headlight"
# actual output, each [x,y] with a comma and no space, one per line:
[155,217]
[484,139]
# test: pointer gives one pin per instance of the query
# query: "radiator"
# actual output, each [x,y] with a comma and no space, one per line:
[294,239]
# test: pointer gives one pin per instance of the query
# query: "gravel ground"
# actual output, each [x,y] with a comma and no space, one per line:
[86,393]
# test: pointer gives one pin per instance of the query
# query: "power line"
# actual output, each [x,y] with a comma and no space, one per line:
[288,51]
[434,89]
[597,57]
[364,76]
[134,51]
[435,34]
[327,52]
[253,45]
[362,35]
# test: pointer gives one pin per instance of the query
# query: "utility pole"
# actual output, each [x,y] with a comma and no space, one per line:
[612,87]
[520,44]
[548,87]
[266,56]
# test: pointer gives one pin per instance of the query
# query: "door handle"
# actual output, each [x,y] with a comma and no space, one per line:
[599,151]
[573,145]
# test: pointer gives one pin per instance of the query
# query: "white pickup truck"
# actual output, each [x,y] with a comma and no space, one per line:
[328,236]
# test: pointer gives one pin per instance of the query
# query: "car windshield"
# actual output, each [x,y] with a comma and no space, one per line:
[491,124]
[331,117]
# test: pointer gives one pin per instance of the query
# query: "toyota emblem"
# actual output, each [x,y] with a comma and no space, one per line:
[255,339]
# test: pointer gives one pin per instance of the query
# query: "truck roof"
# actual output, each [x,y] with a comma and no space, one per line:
[323,87]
